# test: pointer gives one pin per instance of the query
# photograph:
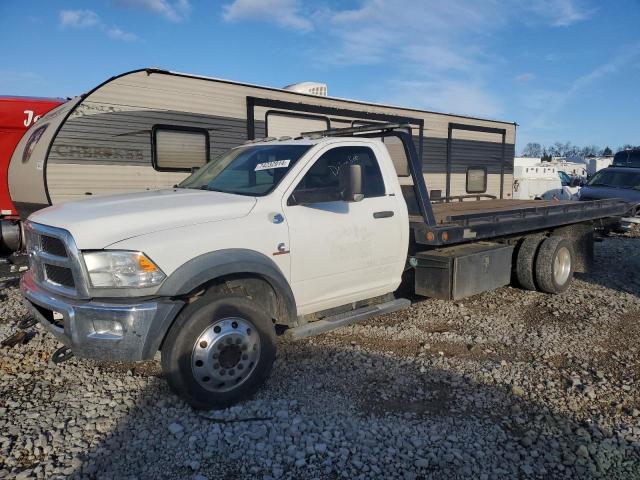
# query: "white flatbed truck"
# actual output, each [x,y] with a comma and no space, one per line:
[294,236]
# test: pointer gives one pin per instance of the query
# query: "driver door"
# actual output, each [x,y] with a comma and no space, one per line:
[341,251]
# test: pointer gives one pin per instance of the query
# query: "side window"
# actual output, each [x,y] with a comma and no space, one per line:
[179,149]
[476,180]
[322,178]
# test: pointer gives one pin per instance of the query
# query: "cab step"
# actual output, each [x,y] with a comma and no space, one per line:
[347,318]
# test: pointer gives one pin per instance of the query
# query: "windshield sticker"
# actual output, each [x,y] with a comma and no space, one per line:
[274,164]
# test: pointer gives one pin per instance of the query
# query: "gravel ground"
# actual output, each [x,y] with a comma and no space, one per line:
[508,384]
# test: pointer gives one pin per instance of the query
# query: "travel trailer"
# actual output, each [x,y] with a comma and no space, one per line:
[540,181]
[596,164]
[17,114]
[150,128]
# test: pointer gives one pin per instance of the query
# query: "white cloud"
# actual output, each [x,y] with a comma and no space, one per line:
[439,53]
[118,34]
[625,57]
[175,11]
[285,13]
[89,19]
[79,18]
[561,13]
[441,95]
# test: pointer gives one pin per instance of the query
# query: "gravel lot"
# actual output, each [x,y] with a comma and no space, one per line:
[509,384]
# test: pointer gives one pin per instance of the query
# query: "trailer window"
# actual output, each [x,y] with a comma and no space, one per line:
[179,149]
[323,174]
[476,180]
[292,124]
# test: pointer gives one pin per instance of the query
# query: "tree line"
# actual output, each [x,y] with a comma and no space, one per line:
[568,150]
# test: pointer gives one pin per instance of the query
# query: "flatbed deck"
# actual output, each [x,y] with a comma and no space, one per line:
[457,222]
[447,212]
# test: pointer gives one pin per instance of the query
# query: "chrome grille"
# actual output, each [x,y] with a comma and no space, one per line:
[53,245]
[59,275]
[55,260]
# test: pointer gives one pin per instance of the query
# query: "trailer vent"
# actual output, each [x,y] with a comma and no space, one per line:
[310,88]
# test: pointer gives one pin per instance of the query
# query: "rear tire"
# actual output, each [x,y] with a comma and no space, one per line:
[555,264]
[525,261]
[219,351]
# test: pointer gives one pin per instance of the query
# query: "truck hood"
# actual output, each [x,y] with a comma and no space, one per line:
[101,221]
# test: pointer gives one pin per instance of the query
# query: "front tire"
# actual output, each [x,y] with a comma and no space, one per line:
[219,351]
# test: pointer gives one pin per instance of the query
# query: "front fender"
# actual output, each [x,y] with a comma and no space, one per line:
[209,266]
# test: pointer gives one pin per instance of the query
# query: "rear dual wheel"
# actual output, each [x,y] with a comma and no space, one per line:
[545,264]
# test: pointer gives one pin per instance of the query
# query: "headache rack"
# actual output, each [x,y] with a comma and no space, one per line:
[403,132]
[457,219]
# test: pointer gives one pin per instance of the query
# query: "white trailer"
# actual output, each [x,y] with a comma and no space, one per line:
[597,163]
[539,182]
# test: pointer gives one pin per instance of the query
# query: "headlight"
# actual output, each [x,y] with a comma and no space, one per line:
[120,269]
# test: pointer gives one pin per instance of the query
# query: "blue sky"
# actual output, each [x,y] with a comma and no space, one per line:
[564,70]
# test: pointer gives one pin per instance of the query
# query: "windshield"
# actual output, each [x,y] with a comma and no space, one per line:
[252,170]
[564,178]
[616,179]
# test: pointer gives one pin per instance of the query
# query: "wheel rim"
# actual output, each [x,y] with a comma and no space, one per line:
[225,354]
[562,266]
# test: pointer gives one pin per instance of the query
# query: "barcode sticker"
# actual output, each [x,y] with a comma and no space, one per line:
[274,164]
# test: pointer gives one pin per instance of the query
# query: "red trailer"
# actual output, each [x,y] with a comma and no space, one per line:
[17,114]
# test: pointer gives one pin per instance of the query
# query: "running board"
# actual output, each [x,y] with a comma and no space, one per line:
[348,318]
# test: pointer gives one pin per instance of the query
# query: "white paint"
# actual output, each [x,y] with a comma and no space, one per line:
[340,253]
[31,118]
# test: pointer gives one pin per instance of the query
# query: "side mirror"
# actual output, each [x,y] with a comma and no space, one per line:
[351,183]
[575,182]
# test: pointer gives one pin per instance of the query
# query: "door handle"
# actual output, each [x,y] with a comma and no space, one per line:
[384,214]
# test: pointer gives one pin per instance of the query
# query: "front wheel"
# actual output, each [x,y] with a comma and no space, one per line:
[219,350]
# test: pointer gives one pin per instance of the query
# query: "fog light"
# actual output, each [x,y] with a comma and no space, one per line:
[107,329]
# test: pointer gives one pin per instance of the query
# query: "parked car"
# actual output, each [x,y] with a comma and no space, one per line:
[617,182]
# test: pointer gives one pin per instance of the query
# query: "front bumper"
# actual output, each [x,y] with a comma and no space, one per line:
[102,330]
